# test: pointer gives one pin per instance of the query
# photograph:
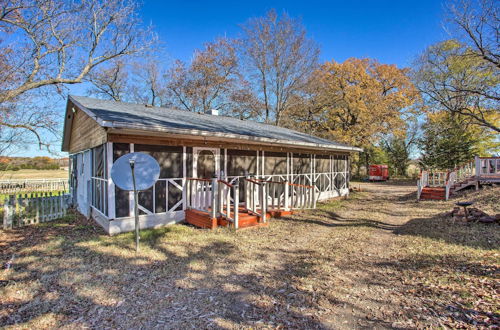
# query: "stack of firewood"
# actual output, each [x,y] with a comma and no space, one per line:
[473,215]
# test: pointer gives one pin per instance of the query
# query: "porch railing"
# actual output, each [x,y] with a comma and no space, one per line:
[199,194]
[437,178]
[302,196]
[465,171]
[256,197]
[488,167]
[225,190]
[278,195]
[422,182]
[328,184]
[286,196]
[450,182]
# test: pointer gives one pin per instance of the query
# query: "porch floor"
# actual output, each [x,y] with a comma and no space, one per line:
[245,219]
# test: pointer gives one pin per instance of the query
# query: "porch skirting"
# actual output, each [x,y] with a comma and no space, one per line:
[122,225]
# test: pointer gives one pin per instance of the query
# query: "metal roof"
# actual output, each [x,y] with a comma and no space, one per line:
[122,115]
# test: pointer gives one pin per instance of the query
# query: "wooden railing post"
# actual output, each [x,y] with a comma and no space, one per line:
[287,205]
[220,189]
[477,162]
[263,206]
[188,194]
[236,201]
[214,207]
[314,194]
[246,191]
[251,190]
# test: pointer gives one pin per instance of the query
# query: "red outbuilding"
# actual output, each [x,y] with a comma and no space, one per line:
[379,173]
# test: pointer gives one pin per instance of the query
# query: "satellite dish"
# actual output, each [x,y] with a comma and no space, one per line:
[146,168]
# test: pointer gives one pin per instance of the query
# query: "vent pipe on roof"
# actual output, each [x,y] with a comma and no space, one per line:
[214,112]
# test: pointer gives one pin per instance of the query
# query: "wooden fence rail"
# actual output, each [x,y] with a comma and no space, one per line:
[22,210]
[30,185]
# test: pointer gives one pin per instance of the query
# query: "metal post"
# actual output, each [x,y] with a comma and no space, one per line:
[136,208]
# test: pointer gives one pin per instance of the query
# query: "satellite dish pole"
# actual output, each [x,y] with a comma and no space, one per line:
[123,174]
[136,206]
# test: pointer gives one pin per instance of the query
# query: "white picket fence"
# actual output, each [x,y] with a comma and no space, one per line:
[22,210]
[30,185]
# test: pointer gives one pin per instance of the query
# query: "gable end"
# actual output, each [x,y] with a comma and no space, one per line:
[81,131]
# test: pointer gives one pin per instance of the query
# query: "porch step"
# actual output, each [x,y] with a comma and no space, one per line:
[464,184]
[245,220]
[200,219]
[437,193]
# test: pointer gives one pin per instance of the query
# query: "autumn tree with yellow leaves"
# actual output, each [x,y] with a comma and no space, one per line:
[355,102]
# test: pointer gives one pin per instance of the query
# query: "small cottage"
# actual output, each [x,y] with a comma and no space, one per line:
[215,170]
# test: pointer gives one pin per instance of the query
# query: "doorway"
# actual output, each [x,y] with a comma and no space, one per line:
[206,163]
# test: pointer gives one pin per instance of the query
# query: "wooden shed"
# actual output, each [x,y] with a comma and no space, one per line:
[214,169]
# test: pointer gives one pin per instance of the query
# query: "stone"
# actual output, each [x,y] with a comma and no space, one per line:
[471,219]
[487,219]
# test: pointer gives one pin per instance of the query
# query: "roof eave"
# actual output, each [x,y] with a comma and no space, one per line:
[160,129]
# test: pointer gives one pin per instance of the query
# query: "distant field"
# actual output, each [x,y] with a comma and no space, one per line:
[33,174]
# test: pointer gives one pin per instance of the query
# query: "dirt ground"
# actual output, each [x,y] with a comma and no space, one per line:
[378,259]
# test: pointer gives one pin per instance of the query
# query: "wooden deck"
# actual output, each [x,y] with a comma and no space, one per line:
[442,185]
[202,219]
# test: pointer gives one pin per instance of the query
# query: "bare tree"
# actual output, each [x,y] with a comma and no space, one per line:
[139,80]
[22,122]
[452,80]
[243,103]
[280,59]
[110,82]
[462,75]
[208,81]
[55,43]
[150,85]
[477,24]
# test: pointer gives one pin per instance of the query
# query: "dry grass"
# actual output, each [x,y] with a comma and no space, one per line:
[378,259]
[33,174]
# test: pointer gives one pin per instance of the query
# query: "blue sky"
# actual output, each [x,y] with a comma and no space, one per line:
[389,31]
